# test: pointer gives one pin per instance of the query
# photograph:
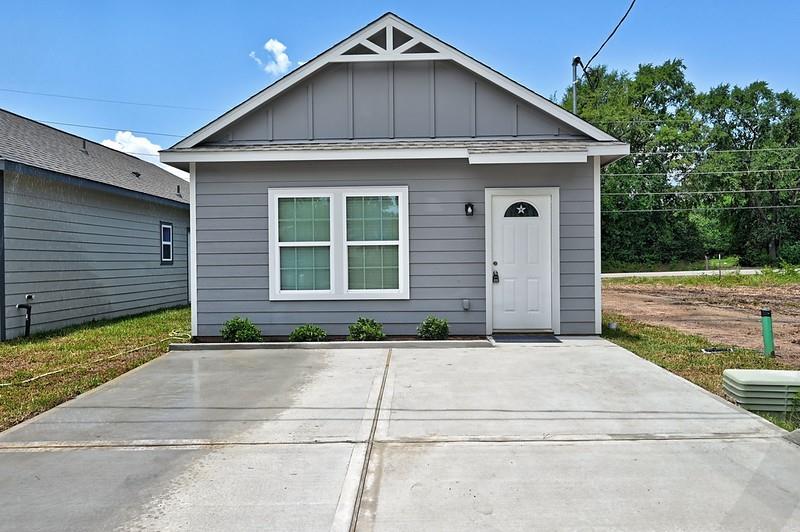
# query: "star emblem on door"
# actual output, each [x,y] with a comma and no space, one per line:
[521,209]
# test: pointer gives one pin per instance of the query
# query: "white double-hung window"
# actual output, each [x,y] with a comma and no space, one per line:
[338,243]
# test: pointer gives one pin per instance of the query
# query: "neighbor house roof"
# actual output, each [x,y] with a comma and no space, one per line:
[32,143]
[433,49]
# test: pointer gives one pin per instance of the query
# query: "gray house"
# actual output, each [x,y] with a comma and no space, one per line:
[88,231]
[394,176]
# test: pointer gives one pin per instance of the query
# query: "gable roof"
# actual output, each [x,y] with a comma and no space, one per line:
[32,143]
[374,42]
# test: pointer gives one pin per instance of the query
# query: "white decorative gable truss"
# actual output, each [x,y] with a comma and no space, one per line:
[391,42]
[387,39]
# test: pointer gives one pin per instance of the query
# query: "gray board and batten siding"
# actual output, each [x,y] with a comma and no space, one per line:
[86,252]
[380,100]
[447,248]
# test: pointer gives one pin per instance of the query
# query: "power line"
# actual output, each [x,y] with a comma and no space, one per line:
[133,152]
[693,192]
[660,121]
[704,152]
[103,100]
[703,209]
[589,62]
[642,153]
[112,129]
[690,173]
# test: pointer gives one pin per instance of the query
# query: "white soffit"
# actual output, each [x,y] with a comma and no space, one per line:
[391,38]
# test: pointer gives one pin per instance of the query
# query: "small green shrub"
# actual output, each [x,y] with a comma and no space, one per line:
[366,329]
[433,328]
[238,329]
[308,333]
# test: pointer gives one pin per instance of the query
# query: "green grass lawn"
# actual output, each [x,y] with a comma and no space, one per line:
[681,354]
[767,278]
[78,349]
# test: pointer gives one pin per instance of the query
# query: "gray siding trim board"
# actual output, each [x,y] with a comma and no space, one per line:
[447,260]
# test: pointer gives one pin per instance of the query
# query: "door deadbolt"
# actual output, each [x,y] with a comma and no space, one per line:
[495,277]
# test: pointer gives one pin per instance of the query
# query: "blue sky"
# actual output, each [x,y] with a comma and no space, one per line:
[196,54]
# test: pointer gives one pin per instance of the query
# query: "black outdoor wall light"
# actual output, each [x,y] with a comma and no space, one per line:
[469,209]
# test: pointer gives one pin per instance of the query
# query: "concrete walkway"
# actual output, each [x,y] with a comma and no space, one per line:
[576,435]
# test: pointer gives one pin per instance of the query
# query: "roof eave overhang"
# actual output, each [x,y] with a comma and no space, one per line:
[181,159]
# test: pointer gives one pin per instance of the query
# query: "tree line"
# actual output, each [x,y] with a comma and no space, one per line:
[709,172]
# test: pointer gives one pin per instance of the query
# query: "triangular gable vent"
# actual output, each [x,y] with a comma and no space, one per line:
[390,43]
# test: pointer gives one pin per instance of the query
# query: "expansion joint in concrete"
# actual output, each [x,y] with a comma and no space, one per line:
[370,441]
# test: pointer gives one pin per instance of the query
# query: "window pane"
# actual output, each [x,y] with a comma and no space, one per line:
[391,278]
[373,218]
[166,233]
[305,268]
[390,218]
[304,219]
[372,267]
[166,251]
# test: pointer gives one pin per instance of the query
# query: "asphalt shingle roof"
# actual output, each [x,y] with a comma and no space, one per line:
[28,142]
[500,145]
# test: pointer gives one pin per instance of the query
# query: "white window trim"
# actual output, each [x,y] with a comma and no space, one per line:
[273,209]
[338,244]
[170,243]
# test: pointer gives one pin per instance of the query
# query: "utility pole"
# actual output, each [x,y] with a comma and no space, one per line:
[575,62]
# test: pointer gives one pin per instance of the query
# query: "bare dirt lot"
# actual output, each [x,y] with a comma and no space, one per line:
[728,315]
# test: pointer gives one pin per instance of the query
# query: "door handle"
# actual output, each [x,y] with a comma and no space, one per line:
[495,277]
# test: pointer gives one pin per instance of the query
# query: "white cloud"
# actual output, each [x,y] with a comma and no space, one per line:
[140,147]
[279,63]
[255,58]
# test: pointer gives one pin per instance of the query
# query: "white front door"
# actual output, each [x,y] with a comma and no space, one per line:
[521,262]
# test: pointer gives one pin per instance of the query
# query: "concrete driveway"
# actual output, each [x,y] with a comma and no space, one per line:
[576,435]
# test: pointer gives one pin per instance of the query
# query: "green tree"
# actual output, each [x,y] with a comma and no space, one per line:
[751,118]
[653,111]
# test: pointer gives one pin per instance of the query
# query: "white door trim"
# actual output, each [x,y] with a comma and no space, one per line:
[555,243]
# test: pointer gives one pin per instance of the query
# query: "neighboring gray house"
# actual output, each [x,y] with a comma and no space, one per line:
[89,231]
[394,176]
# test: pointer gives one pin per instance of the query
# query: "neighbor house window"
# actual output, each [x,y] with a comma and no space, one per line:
[166,242]
[337,243]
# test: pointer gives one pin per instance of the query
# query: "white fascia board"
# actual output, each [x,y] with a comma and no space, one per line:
[445,52]
[528,157]
[312,155]
[224,156]
[609,149]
